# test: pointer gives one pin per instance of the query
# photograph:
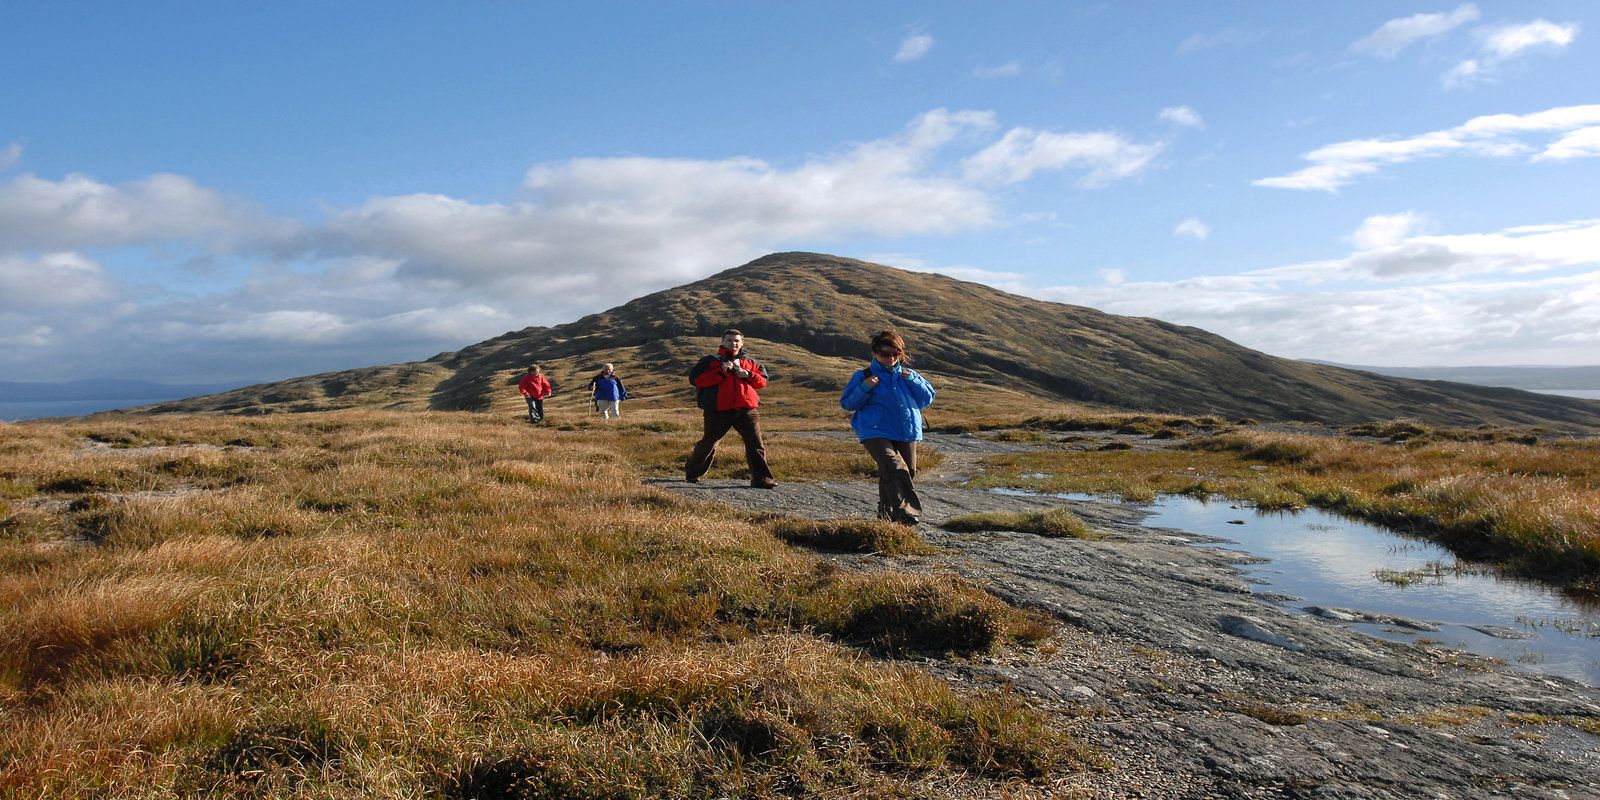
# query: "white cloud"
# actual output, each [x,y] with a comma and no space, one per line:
[79,211]
[1509,41]
[914,47]
[1464,73]
[298,327]
[1395,35]
[37,336]
[1114,277]
[1384,230]
[1192,228]
[1182,116]
[1022,152]
[1010,69]
[1493,135]
[1582,143]
[1228,37]
[52,280]
[1502,43]
[639,221]
[10,156]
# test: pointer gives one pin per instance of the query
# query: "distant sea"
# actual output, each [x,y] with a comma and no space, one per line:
[1587,394]
[18,410]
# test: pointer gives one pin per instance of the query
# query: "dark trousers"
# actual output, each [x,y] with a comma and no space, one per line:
[748,423]
[535,409]
[897,465]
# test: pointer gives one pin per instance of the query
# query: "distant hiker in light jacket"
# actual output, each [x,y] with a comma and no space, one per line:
[728,385]
[608,392]
[887,399]
[535,387]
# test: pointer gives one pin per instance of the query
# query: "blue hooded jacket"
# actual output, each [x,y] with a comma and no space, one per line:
[891,410]
[605,388]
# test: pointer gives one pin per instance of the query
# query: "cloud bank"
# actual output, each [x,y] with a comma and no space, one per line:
[1523,294]
[389,277]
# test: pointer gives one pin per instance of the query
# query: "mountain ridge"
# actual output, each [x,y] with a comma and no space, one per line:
[828,306]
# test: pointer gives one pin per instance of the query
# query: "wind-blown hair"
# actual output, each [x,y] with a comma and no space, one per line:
[889,338]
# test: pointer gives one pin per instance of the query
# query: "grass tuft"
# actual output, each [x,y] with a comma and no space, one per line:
[1052,522]
[901,615]
[852,535]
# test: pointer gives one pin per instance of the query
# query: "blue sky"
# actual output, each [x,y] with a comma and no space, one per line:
[227,191]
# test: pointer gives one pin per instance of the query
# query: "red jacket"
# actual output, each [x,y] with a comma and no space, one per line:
[721,390]
[534,386]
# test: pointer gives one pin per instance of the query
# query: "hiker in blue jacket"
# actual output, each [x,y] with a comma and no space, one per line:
[887,399]
[608,393]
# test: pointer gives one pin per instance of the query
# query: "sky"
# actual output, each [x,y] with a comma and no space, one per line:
[216,192]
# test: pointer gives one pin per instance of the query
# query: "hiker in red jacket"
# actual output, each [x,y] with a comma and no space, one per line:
[535,387]
[728,383]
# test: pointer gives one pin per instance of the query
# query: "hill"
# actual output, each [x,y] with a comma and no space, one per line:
[809,316]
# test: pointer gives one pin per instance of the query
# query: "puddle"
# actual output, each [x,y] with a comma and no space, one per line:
[1330,561]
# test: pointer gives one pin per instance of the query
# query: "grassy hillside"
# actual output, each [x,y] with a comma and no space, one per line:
[811,314]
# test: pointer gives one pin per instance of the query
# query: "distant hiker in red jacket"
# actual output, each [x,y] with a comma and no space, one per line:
[535,387]
[728,383]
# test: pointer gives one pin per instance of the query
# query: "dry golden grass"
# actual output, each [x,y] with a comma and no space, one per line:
[1535,507]
[372,604]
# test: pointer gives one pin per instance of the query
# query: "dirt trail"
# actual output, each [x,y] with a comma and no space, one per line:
[1193,686]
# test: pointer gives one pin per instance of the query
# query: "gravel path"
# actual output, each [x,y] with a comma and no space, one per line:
[1193,686]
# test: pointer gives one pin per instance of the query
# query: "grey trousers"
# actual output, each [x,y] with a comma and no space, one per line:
[897,465]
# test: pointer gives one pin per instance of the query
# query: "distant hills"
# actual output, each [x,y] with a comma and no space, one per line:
[1513,377]
[810,316]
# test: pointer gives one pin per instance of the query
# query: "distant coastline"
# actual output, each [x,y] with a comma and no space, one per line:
[24,401]
[19,410]
[1566,381]
[1586,394]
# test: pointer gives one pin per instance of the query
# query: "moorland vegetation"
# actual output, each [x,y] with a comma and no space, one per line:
[459,605]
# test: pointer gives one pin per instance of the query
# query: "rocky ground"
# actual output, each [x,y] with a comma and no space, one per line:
[1192,685]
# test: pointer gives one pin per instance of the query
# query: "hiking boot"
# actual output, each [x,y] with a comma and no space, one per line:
[687,479]
[764,485]
[905,519]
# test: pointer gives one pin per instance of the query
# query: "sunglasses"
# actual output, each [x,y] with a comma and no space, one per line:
[888,352]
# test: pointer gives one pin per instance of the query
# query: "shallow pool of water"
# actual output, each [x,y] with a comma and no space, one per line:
[1331,561]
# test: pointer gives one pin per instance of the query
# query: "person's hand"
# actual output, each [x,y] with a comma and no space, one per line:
[871,381]
[729,366]
[743,373]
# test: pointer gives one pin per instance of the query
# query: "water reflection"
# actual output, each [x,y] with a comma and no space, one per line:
[1330,561]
